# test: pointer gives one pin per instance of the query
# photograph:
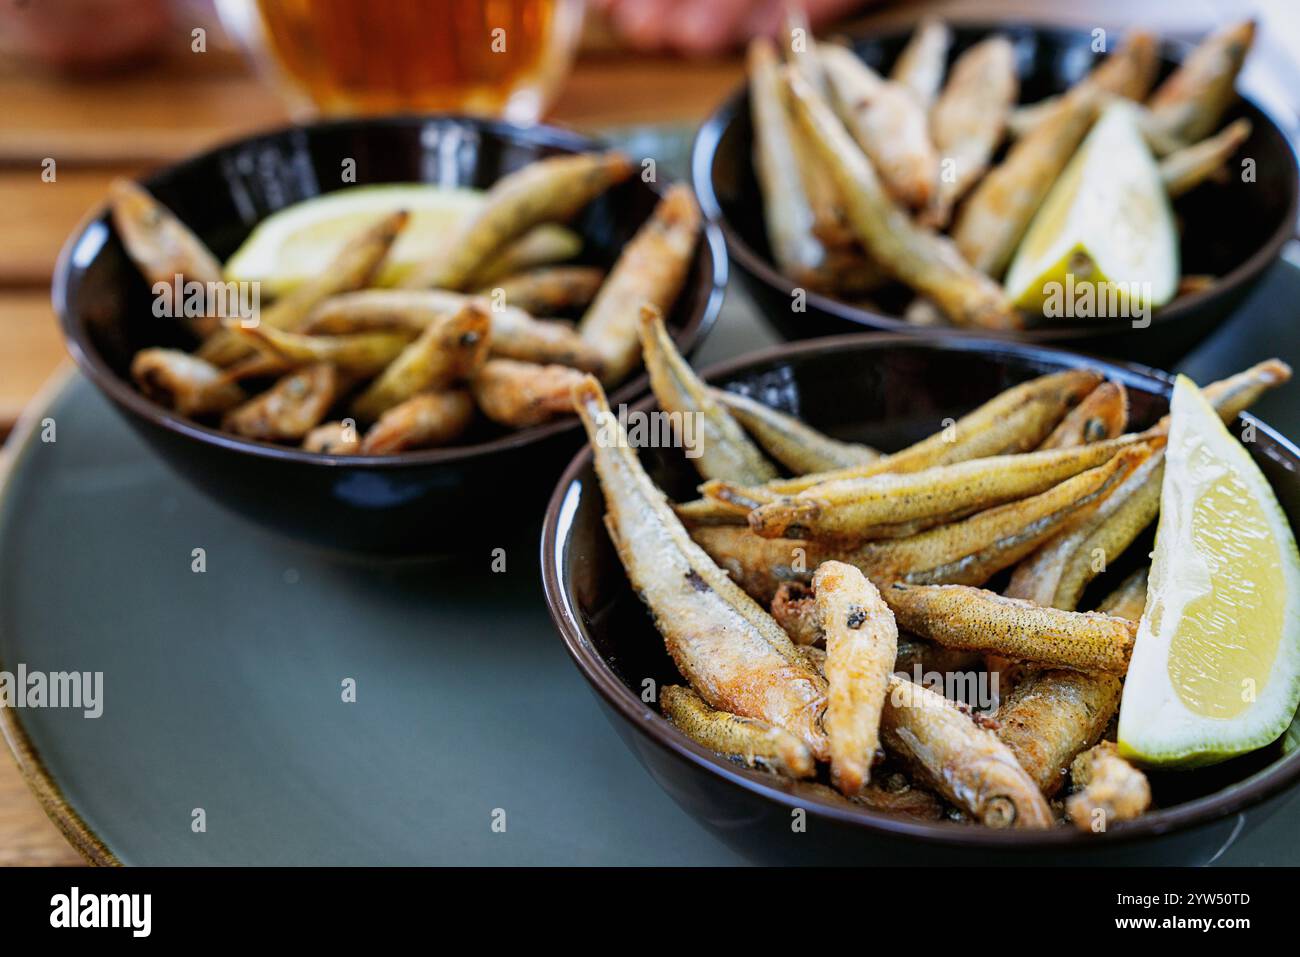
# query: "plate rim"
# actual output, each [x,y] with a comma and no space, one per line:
[40,781]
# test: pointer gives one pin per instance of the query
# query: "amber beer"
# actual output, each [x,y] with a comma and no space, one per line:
[494,57]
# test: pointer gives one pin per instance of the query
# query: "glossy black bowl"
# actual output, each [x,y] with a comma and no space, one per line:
[409,502]
[887,391]
[1232,231]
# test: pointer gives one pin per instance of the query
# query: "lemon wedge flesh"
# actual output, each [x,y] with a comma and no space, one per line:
[1103,243]
[299,242]
[1216,667]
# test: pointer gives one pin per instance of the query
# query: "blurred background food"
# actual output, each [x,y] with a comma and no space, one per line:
[97,89]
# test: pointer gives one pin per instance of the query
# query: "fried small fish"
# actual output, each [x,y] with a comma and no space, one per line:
[861,646]
[746,741]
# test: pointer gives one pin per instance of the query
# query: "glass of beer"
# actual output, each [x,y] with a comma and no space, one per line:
[501,58]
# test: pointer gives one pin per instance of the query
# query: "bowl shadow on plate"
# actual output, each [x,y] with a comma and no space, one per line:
[426,501]
[887,392]
[1232,231]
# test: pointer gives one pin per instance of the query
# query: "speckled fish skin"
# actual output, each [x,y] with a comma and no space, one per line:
[650,270]
[725,451]
[448,351]
[1189,104]
[1129,599]
[423,421]
[1053,715]
[1015,420]
[1185,169]
[969,120]
[968,552]
[523,394]
[746,741]
[514,333]
[1103,414]
[851,508]
[729,649]
[963,761]
[184,382]
[887,121]
[799,447]
[1056,574]
[363,354]
[353,268]
[861,646]
[972,551]
[1107,789]
[929,263]
[547,291]
[289,409]
[1129,73]
[996,214]
[333,438]
[920,67]
[161,246]
[959,616]
[804,55]
[547,190]
[787,211]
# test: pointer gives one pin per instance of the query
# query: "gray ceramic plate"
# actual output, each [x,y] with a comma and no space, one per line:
[222,690]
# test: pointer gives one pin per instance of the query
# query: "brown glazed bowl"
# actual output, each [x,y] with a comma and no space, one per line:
[1233,230]
[887,391]
[415,502]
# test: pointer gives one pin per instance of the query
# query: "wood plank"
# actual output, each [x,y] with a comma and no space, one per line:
[43,215]
[30,839]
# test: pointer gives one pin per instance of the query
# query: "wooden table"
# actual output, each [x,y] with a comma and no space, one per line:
[95,131]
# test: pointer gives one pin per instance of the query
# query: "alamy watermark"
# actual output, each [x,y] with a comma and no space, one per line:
[82,690]
[653,430]
[190,299]
[1084,298]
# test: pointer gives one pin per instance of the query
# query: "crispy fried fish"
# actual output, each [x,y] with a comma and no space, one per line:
[184,382]
[1106,789]
[1188,105]
[799,447]
[353,268]
[969,120]
[514,333]
[852,509]
[1185,169]
[1129,599]
[963,761]
[522,394]
[423,421]
[725,451]
[288,410]
[958,616]
[547,190]
[746,741]
[730,650]
[1015,420]
[161,246]
[921,65]
[650,269]
[861,646]
[449,350]
[918,256]
[1053,715]
[995,216]
[1103,414]
[548,290]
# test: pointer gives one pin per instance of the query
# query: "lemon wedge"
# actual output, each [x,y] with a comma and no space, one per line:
[300,241]
[1216,667]
[1103,244]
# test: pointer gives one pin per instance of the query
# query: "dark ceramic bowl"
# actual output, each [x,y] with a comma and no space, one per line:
[887,391]
[1232,231]
[410,502]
